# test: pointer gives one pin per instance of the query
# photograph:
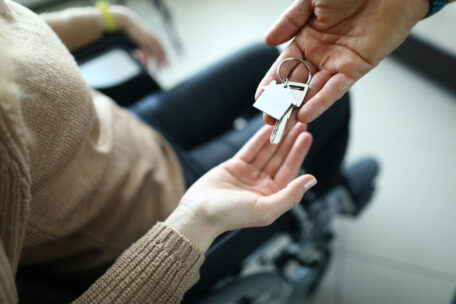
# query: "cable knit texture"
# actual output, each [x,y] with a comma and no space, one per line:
[81,178]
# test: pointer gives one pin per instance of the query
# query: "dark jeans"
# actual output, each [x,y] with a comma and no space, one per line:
[196,117]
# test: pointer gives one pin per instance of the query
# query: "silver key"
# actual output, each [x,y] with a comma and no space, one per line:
[279,128]
[279,100]
[299,91]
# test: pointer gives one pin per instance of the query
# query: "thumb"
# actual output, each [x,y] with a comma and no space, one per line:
[289,23]
[282,201]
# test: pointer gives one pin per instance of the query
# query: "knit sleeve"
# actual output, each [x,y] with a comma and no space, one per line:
[76,27]
[159,268]
[15,178]
[8,293]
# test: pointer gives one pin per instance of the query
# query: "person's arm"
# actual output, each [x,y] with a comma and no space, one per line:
[8,292]
[77,27]
[159,268]
[342,40]
[253,188]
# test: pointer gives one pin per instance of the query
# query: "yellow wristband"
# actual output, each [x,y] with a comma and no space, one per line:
[103,6]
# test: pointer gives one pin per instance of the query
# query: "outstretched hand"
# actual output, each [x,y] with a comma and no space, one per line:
[342,40]
[251,189]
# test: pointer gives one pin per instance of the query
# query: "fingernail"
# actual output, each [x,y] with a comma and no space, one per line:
[310,184]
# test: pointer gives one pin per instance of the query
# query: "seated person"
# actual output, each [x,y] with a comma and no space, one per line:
[87,185]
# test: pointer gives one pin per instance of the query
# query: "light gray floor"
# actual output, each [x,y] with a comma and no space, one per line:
[403,248]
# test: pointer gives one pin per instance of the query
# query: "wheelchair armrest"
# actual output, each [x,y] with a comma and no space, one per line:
[130,90]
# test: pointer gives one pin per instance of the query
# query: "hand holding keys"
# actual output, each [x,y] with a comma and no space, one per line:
[278,100]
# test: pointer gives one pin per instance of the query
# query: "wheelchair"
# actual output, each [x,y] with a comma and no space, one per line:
[280,263]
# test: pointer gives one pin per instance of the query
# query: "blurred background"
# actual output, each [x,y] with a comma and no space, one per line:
[402,249]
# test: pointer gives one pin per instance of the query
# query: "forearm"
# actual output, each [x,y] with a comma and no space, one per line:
[159,268]
[77,27]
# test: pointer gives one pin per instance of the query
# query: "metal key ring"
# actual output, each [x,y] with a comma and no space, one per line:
[298,59]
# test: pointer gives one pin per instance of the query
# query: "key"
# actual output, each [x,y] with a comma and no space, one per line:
[275,100]
[299,91]
[279,128]
[279,100]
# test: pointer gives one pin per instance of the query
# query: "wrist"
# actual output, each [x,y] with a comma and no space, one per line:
[417,9]
[121,16]
[409,12]
[183,220]
[423,8]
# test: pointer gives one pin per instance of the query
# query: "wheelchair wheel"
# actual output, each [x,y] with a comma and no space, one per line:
[258,288]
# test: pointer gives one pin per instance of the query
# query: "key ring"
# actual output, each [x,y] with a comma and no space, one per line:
[298,59]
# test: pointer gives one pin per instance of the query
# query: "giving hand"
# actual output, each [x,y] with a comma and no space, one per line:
[342,40]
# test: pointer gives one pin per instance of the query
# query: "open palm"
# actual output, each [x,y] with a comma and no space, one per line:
[342,40]
[254,187]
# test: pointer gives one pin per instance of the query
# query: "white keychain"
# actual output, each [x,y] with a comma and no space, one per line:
[278,100]
[275,100]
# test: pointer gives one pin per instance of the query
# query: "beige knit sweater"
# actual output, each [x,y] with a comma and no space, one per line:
[81,179]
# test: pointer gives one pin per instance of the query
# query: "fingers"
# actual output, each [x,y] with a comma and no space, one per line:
[149,46]
[268,119]
[142,54]
[289,23]
[325,87]
[281,153]
[295,72]
[271,207]
[250,150]
[292,163]
[331,91]
[292,50]
[266,153]
[158,51]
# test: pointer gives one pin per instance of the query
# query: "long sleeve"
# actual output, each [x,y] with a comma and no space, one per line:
[14,201]
[159,268]
[76,27]
[8,293]
[80,178]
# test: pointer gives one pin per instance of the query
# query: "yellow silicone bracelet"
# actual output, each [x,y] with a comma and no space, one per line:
[103,6]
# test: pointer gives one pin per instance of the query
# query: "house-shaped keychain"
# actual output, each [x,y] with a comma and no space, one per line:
[275,100]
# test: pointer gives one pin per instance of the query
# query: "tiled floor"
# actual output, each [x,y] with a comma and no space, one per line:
[403,248]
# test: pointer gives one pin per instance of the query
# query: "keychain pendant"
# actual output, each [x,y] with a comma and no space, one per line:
[275,100]
[279,100]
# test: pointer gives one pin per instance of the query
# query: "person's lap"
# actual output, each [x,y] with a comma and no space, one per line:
[194,115]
